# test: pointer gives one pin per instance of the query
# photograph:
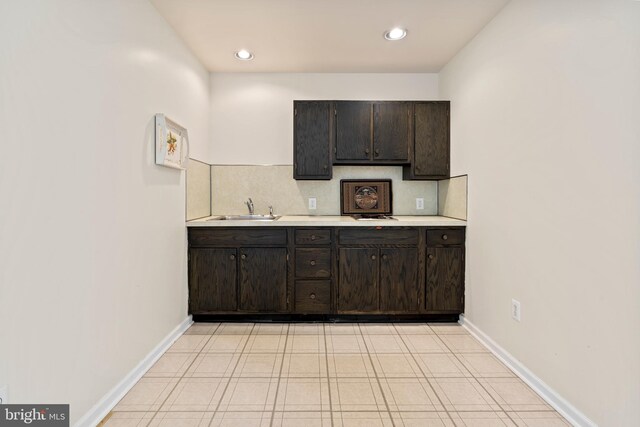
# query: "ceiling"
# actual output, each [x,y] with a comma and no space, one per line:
[329,36]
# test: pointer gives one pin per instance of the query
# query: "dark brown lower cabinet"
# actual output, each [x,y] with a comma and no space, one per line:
[399,285]
[263,279]
[445,279]
[378,280]
[357,279]
[241,271]
[212,280]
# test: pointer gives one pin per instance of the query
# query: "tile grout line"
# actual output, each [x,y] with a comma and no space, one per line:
[155,414]
[423,374]
[326,362]
[375,373]
[475,378]
[275,398]
[226,387]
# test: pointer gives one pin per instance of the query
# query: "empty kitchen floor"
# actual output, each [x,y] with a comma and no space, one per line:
[302,374]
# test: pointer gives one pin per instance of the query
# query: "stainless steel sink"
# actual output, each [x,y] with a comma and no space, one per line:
[246,218]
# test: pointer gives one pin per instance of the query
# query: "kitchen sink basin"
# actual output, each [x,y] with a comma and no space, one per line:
[246,218]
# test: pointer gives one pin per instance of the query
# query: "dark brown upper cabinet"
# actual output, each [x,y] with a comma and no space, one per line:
[312,136]
[353,130]
[369,132]
[391,131]
[431,144]
[414,134]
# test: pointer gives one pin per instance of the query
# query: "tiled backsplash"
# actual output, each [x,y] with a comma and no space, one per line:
[231,185]
[198,189]
[452,197]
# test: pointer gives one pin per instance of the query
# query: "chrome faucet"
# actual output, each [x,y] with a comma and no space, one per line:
[249,204]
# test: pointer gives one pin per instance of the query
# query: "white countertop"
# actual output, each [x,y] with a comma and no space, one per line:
[332,221]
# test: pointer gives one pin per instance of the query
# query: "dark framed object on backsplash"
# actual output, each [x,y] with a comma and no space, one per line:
[365,197]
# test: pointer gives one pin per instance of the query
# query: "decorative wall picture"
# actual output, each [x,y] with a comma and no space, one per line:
[172,143]
[365,197]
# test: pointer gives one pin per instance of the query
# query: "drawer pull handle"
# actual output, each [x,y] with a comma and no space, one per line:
[445,237]
[384,257]
[312,262]
[366,151]
[430,256]
[313,237]
[373,257]
[232,257]
[243,256]
[312,296]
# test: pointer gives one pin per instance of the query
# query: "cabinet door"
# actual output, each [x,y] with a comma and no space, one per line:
[353,130]
[312,140]
[391,131]
[399,279]
[263,279]
[445,279]
[358,279]
[212,280]
[431,144]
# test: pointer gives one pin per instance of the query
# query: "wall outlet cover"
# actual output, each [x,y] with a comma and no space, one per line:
[419,203]
[515,310]
[312,203]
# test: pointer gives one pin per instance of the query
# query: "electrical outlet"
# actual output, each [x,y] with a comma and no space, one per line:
[419,203]
[4,395]
[312,203]
[515,310]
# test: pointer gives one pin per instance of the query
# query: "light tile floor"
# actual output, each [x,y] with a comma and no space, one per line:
[330,375]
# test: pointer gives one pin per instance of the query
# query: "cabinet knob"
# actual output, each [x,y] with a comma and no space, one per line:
[430,256]
[366,151]
[232,257]
[325,167]
[373,257]
[312,296]
[313,237]
[377,152]
[384,257]
[243,256]
[312,262]
[445,237]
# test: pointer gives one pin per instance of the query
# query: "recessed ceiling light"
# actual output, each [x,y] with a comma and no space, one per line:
[395,34]
[244,55]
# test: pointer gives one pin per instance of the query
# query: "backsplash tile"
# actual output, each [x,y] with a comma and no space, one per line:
[198,189]
[231,185]
[452,197]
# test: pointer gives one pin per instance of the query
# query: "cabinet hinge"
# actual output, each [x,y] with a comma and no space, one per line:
[287,257]
[335,113]
[287,299]
[335,150]
[295,111]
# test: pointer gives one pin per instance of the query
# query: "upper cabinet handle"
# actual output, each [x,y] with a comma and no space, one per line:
[366,151]
[373,257]
[445,237]
[243,256]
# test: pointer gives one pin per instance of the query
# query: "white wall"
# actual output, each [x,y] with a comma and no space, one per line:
[252,113]
[545,106]
[92,236]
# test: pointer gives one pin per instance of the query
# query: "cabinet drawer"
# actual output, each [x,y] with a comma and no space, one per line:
[445,237]
[215,236]
[313,296]
[313,262]
[313,237]
[378,236]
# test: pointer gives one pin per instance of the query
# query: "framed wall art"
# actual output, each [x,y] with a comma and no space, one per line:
[365,197]
[172,143]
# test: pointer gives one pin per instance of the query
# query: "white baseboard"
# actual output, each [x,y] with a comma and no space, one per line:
[106,404]
[560,404]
